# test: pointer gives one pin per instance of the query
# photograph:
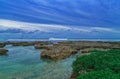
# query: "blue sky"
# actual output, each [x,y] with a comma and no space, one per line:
[60,18]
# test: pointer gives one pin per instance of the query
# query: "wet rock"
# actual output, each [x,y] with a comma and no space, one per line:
[42,47]
[22,43]
[2,45]
[73,76]
[26,43]
[3,51]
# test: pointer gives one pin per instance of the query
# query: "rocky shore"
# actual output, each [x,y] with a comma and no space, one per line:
[65,49]
[26,43]
[2,45]
[3,51]
[58,52]
[62,50]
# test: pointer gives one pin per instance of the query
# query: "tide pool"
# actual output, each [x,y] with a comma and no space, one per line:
[26,63]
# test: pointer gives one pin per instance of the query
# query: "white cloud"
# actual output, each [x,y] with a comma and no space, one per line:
[8,24]
[104,29]
[29,27]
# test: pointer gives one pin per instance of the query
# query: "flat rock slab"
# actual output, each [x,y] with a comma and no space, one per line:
[58,52]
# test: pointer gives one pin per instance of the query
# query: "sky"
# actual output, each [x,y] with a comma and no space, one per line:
[60,19]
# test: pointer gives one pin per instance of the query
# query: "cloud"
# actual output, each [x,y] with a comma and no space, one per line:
[31,27]
[8,24]
[104,29]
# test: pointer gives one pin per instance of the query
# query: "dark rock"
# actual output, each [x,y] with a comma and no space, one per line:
[22,43]
[3,51]
[2,45]
[42,47]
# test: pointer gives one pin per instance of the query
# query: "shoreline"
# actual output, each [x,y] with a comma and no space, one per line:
[57,50]
[64,49]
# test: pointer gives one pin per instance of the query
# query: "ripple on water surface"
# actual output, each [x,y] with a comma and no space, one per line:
[25,63]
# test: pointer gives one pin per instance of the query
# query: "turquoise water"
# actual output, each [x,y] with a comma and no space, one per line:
[25,63]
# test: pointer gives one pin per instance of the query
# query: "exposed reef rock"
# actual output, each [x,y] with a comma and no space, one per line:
[65,49]
[61,50]
[27,43]
[86,50]
[2,45]
[3,51]
[22,43]
[42,46]
[58,52]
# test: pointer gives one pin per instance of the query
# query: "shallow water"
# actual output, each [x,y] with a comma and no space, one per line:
[25,63]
